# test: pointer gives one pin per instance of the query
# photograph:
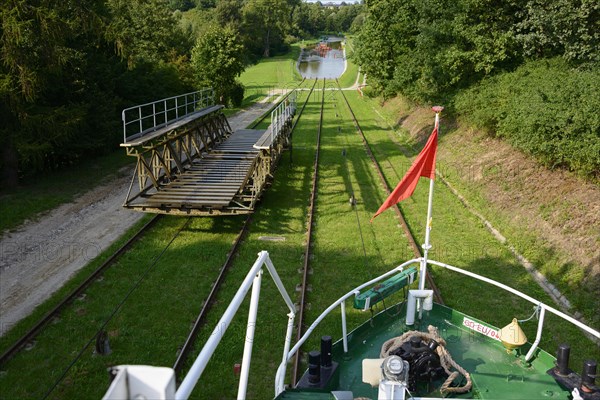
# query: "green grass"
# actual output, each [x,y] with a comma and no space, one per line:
[555,265]
[44,192]
[152,323]
[263,78]
[156,318]
[271,73]
[460,239]
[348,78]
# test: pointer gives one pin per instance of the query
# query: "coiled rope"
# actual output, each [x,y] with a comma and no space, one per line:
[446,360]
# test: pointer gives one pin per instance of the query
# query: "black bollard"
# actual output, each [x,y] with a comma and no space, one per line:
[314,367]
[562,359]
[326,351]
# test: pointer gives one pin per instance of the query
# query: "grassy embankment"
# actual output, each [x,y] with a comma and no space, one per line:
[511,191]
[349,76]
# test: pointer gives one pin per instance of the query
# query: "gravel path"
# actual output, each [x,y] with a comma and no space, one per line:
[37,258]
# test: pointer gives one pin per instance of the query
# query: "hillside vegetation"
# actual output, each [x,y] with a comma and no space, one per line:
[526,71]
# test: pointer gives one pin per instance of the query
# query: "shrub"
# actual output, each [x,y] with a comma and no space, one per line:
[544,108]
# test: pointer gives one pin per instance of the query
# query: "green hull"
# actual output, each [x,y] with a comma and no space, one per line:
[496,373]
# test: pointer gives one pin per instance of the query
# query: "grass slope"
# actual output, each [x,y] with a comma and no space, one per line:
[460,239]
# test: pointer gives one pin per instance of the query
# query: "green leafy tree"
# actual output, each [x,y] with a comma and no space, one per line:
[62,84]
[217,60]
[268,21]
[145,31]
[427,49]
[229,12]
[43,52]
[569,28]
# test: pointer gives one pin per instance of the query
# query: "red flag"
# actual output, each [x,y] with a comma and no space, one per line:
[424,165]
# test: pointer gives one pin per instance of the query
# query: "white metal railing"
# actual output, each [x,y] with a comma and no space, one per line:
[281,371]
[253,279]
[143,118]
[282,114]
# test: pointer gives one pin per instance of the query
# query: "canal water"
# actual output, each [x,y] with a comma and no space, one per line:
[324,60]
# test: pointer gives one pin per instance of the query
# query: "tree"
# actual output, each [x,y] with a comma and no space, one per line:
[427,49]
[229,12]
[42,47]
[269,20]
[563,27]
[217,59]
[145,31]
[62,84]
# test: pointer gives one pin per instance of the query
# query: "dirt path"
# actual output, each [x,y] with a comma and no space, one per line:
[37,258]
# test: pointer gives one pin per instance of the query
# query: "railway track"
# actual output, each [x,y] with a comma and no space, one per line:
[38,327]
[30,335]
[307,250]
[413,244]
[188,346]
[307,255]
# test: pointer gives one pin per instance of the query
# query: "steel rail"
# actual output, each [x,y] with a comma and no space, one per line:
[210,300]
[405,228]
[299,115]
[208,303]
[307,251]
[273,107]
[32,332]
[36,329]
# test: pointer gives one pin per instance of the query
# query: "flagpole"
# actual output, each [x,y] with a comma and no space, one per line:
[426,246]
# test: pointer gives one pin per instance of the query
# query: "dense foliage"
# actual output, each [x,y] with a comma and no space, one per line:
[557,123]
[68,67]
[430,51]
[215,59]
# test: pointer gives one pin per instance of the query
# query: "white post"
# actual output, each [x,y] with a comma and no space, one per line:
[279,385]
[427,246]
[538,336]
[243,386]
[344,328]
[185,389]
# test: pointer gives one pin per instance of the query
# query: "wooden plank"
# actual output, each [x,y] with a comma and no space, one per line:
[229,174]
[184,204]
[264,142]
[197,196]
[221,156]
[184,196]
[211,163]
[194,183]
[191,204]
[200,189]
[191,182]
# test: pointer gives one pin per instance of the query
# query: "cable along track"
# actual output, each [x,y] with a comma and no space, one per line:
[307,250]
[413,244]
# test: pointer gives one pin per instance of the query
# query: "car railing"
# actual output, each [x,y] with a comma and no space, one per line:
[144,118]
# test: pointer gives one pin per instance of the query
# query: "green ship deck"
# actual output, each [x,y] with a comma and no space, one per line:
[494,372]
